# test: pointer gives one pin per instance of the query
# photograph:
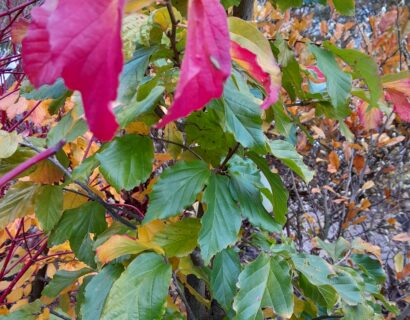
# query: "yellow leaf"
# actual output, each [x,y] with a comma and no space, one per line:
[18,304]
[368,185]
[399,262]
[9,142]
[15,295]
[73,200]
[135,5]
[46,173]
[137,127]
[147,232]
[120,245]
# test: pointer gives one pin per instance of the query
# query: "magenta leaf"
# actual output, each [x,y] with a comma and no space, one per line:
[206,63]
[80,42]
[248,61]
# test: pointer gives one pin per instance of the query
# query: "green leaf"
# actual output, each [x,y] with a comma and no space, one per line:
[9,141]
[61,280]
[28,311]
[243,119]
[279,195]
[250,201]
[177,189]
[287,153]
[18,202]
[319,272]
[141,290]
[345,7]
[136,108]
[53,91]
[67,129]
[230,3]
[22,154]
[85,169]
[292,79]
[180,238]
[133,72]
[49,206]
[361,311]
[347,288]
[370,266]
[335,250]
[324,295]
[363,67]
[284,124]
[339,83]
[265,282]
[286,4]
[225,271]
[76,226]
[97,290]
[221,221]
[126,162]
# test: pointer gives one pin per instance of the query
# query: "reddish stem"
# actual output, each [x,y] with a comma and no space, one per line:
[30,162]
[22,272]
[17,8]
[55,255]
[24,257]
[129,206]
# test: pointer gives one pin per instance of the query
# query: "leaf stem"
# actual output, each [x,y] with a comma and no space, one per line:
[173,35]
[30,162]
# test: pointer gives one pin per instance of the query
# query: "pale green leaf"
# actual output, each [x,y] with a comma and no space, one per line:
[18,202]
[287,153]
[141,290]
[265,282]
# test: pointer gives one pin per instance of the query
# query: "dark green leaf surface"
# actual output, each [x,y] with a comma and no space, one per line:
[127,161]
[176,189]
[221,221]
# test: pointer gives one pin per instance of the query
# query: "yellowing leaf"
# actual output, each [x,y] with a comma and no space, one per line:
[9,142]
[135,5]
[148,231]
[15,295]
[118,246]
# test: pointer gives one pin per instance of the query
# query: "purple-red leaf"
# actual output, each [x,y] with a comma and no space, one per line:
[80,42]
[206,63]
[248,61]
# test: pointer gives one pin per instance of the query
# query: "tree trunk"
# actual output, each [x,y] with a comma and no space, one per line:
[244,10]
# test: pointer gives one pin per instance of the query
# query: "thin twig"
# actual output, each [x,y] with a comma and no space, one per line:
[180,145]
[173,35]
[231,153]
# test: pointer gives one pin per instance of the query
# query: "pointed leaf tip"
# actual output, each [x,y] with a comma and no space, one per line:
[207,63]
[84,48]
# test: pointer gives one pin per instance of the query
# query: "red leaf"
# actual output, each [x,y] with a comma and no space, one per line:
[80,42]
[248,61]
[206,64]
[401,104]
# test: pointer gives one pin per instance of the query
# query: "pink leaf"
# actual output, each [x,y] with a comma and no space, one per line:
[401,103]
[206,63]
[369,119]
[248,61]
[80,42]
[318,76]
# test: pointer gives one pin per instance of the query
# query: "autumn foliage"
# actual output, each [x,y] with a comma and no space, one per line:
[172,160]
